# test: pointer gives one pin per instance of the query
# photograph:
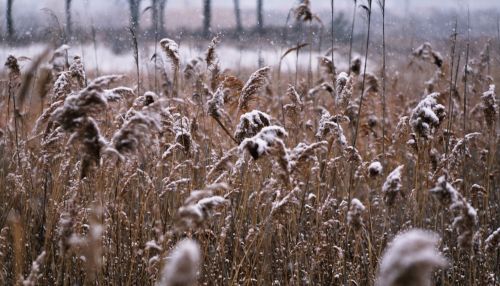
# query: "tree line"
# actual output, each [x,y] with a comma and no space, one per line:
[157,9]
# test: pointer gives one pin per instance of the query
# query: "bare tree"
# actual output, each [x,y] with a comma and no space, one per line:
[69,30]
[237,14]
[154,15]
[134,13]
[158,16]
[163,3]
[207,17]
[260,16]
[10,22]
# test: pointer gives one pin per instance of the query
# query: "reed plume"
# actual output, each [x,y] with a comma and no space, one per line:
[392,186]
[250,124]
[182,265]
[410,259]
[252,87]
[490,107]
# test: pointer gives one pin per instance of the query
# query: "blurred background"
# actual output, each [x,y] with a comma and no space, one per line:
[252,31]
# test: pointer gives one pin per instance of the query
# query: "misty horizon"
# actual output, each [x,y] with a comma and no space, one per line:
[31,14]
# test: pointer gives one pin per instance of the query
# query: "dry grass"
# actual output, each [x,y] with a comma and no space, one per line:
[218,182]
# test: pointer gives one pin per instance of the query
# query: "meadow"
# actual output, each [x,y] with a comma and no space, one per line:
[181,171]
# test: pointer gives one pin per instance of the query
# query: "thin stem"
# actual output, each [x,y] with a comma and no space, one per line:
[333,44]
[352,35]
[464,173]
[466,72]
[498,32]
[364,76]
[309,68]
[156,48]
[452,110]
[297,66]
[225,130]
[15,130]
[383,80]
[453,47]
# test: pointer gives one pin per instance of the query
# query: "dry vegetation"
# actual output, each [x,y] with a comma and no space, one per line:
[201,175]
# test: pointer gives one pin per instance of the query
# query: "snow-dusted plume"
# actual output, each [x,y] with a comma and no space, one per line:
[465,222]
[182,265]
[375,169]
[493,240]
[410,259]
[90,101]
[427,116]
[250,124]
[171,50]
[254,85]
[490,107]
[76,116]
[216,104]
[331,125]
[136,132]
[294,108]
[356,66]
[183,136]
[34,274]
[426,53]
[200,206]
[344,89]
[465,216]
[78,72]
[354,214]
[211,57]
[460,149]
[444,192]
[266,139]
[392,185]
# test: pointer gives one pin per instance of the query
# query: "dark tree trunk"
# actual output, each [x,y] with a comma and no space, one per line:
[260,16]
[237,13]
[207,17]
[10,22]
[134,14]
[161,27]
[154,16]
[69,30]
